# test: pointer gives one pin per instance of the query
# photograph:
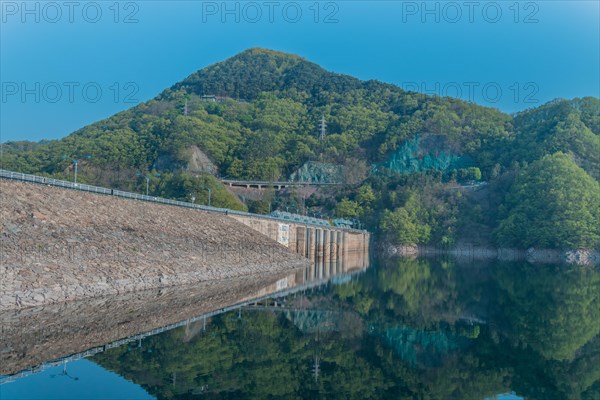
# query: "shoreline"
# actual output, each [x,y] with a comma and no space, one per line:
[583,257]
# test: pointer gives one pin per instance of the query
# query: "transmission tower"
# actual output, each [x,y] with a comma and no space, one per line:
[322,128]
[316,367]
[185,108]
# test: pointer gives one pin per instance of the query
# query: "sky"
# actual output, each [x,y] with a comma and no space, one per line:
[83,380]
[66,64]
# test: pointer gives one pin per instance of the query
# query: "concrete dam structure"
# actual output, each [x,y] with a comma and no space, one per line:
[60,245]
[314,242]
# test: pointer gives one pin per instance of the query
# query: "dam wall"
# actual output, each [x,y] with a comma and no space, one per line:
[312,241]
[60,245]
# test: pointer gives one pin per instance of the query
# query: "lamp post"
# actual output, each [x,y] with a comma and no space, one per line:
[147,178]
[147,183]
[75,165]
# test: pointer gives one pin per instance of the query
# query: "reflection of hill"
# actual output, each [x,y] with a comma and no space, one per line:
[553,309]
[322,321]
[411,329]
[424,348]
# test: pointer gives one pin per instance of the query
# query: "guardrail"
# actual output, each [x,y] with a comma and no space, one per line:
[141,197]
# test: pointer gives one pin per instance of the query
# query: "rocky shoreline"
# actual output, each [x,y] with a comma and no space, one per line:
[542,256]
[60,245]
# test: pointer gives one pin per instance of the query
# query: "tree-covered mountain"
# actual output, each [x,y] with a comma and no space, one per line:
[552,192]
[560,126]
[257,115]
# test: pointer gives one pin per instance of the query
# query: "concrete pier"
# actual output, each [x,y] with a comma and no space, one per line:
[310,249]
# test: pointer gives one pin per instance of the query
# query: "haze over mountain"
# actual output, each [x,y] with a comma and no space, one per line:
[257,115]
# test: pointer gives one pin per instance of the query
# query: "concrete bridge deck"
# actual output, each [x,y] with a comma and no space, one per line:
[272,184]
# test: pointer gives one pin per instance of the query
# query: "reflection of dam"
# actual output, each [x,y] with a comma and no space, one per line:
[38,338]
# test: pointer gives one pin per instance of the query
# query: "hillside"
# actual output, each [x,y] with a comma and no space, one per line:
[257,116]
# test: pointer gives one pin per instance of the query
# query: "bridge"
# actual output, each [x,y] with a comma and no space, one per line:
[273,184]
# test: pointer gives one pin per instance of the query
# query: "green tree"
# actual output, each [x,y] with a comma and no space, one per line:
[347,208]
[403,228]
[552,203]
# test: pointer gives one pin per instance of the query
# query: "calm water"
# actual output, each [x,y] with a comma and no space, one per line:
[402,329]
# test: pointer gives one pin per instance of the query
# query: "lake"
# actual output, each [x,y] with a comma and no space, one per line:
[381,329]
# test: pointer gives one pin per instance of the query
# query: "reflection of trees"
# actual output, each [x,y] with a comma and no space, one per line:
[397,332]
[419,285]
[419,291]
[553,309]
[258,356]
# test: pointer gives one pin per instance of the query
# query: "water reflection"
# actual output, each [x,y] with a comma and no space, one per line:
[403,329]
[34,336]
[37,338]
[411,329]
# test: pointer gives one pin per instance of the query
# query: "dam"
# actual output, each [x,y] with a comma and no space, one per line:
[60,245]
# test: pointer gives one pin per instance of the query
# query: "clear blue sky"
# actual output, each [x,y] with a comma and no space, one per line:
[85,380]
[532,51]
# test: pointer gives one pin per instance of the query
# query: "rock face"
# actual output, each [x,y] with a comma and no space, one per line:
[197,162]
[401,250]
[543,256]
[582,257]
[58,245]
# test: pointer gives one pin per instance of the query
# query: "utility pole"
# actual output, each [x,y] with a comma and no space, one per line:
[75,162]
[147,177]
[322,134]
[205,186]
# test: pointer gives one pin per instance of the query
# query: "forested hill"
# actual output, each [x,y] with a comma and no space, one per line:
[255,71]
[257,116]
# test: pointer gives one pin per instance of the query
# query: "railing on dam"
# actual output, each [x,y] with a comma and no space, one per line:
[135,196]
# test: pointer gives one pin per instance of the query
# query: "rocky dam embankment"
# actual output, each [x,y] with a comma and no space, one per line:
[59,245]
